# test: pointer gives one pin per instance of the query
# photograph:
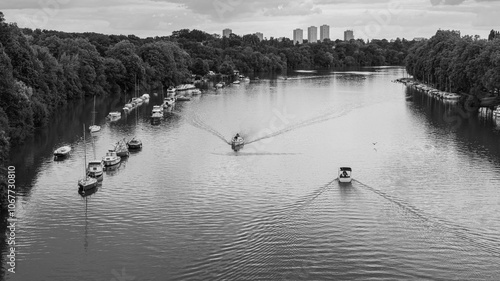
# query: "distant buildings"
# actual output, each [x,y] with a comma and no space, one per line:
[298,36]
[226,32]
[312,34]
[324,32]
[348,35]
[260,35]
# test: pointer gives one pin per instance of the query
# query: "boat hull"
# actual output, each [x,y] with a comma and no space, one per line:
[237,145]
[88,183]
[111,162]
[62,151]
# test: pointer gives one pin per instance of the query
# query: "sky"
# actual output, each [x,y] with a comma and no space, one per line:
[369,19]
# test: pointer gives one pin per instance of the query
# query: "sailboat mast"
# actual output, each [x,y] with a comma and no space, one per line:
[85,156]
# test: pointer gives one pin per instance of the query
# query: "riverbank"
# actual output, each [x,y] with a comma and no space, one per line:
[429,90]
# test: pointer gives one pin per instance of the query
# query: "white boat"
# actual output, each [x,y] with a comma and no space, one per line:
[111,159]
[114,115]
[345,174]
[86,182]
[237,143]
[195,92]
[145,97]
[62,151]
[236,82]
[219,85]
[157,112]
[95,169]
[171,90]
[94,128]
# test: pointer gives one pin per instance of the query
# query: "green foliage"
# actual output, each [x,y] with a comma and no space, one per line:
[459,64]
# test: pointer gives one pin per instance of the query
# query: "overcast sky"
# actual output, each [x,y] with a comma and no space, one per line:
[274,18]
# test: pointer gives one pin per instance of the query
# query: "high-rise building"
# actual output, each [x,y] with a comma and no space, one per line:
[226,32]
[260,35]
[312,34]
[324,32]
[348,35]
[298,36]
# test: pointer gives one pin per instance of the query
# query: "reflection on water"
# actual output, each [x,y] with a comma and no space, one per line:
[424,202]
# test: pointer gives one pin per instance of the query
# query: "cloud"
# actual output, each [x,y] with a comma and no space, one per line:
[293,8]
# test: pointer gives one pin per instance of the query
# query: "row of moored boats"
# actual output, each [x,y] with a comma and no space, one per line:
[429,90]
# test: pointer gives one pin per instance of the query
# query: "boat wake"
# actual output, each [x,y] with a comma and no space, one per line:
[255,154]
[198,123]
[326,116]
[446,227]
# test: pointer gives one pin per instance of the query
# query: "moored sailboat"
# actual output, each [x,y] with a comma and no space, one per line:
[86,182]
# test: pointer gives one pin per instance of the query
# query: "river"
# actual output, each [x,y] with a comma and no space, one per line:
[424,203]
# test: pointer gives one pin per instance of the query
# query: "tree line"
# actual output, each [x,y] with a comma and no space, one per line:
[461,64]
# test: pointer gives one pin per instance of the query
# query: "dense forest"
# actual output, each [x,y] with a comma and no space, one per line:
[460,64]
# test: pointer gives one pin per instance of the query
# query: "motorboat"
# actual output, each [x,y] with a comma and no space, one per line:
[94,128]
[237,143]
[219,85]
[111,159]
[134,144]
[95,169]
[114,115]
[121,149]
[157,112]
[345,174]
[86,182]
[183,98]
[62,151]
[195,92]
[236,82]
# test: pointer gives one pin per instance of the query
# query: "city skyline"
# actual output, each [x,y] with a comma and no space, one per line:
[368,19]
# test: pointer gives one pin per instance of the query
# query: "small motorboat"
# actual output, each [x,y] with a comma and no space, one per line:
[94,128]
[62,151]
[114,115]
[237,143]
[134,144]
[219,85]
[111,159]
[195,92]
[95,169]
[157,112]
[183,98]
[345,174]
[87,183]
[236,82]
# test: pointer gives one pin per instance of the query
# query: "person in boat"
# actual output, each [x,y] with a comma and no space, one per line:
[236,137]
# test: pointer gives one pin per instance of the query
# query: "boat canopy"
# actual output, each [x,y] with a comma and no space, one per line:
[345,169]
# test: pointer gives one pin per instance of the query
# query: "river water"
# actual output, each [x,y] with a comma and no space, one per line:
[424,203]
